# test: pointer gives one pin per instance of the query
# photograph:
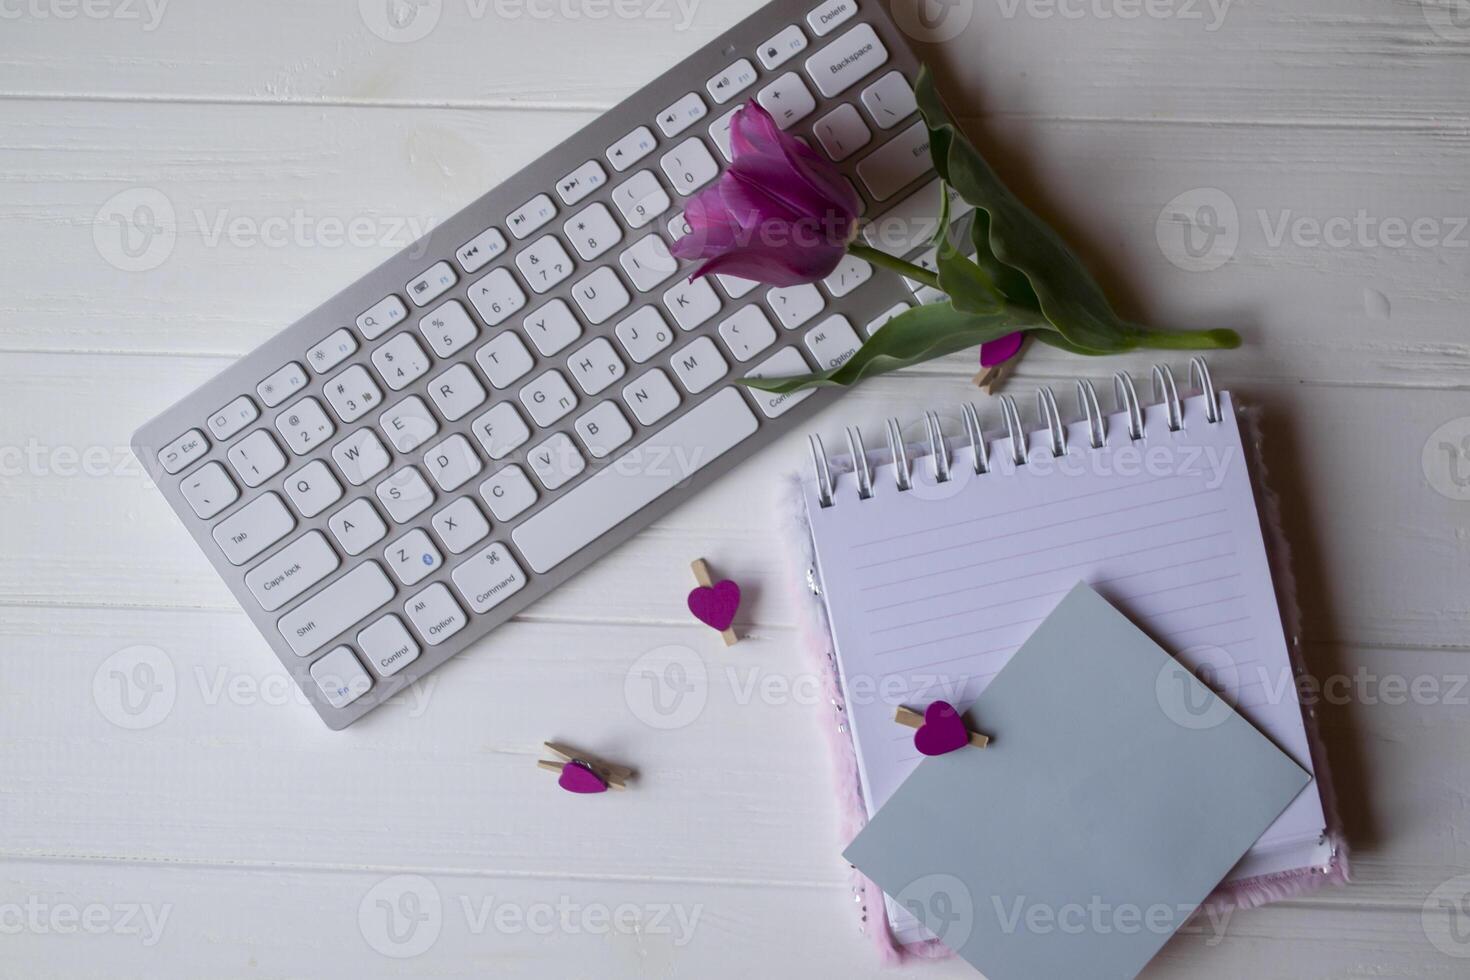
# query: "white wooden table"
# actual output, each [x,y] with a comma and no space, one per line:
[226,833]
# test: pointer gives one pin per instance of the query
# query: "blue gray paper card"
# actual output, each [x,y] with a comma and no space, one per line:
[1116,793]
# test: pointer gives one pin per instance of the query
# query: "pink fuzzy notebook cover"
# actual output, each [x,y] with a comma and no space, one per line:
[819,646]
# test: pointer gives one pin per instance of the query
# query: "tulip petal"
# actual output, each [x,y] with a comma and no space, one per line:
[997,352]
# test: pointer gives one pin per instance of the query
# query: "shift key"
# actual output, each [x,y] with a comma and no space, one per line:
[322,618]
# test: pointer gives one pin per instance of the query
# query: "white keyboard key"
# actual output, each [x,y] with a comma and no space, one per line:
[912,223]
[604,430]
[253,528]
[544,264]
[505,360]
[631,148]
[361,457]
[548,398]
[401,361]
[432,284]
[890,100]
[183,451]
[581,183]
[384,316]
[736,287]
[489,578]
[556,462]
[530,216]
[413,558]
[388,646]
[720,132]
[340,678]
[452,463]
[832,342]
[648,263]
[601,296]
[786,363]
[497,297]
[699,365]
[896,165]
[435,614]
[692,303]
[591,509]
[641,199]
[313,489]
[651,397]
[305,426]
[209,491]
[747,333]
[593,231]
[353,393]
[457,392]
[732,81]
[350,599]
[508,493]
[846,61]
[449,329]
[257,458]
[689,166]
[461,526]
[501,431]
[788,100]
[682,114]
[842,132]
[886,318]
[596,366]
[480,251]
[282,385]
[409,424]
[291,571]
[231,420]
[831,15]
[850,273]
[405,495]
[644,334]
[357,527]
[795,305]
[553,328]
[782,48]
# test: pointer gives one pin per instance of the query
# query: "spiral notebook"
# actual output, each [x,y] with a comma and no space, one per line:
[936,564]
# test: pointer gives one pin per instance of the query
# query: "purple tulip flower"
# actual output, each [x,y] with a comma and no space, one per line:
[780,215]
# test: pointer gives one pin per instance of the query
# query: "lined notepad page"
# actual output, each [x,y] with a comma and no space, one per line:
[931,591]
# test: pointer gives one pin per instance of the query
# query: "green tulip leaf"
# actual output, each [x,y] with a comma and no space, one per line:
[1011,236]
[919,335]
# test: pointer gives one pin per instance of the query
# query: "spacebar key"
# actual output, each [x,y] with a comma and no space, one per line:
[636,480]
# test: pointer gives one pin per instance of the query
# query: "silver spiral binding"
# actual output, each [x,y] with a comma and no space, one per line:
[1166,393]
[978,445]
[1199,372]
[904,473]
[1013,428]
[938,448]
[1128,402]
[1046,406]
[861,467]
[824,473]
[1097,425]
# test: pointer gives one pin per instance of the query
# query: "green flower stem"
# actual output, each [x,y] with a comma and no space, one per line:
[1189,340]
[915,272]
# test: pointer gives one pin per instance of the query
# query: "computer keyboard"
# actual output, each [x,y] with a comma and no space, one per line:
[504,402]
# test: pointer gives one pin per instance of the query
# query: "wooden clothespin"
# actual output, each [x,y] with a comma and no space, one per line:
[715,603]
[940,730]
[993,379]
[583,774]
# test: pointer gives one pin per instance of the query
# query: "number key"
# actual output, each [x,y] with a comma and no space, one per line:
[353,394]
[401,361]
[305,426]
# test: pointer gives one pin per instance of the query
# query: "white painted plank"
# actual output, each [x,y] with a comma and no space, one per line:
[1380,553]
[277,208]
[1380,61]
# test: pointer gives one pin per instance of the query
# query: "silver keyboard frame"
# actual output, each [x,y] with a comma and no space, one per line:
[881,293]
